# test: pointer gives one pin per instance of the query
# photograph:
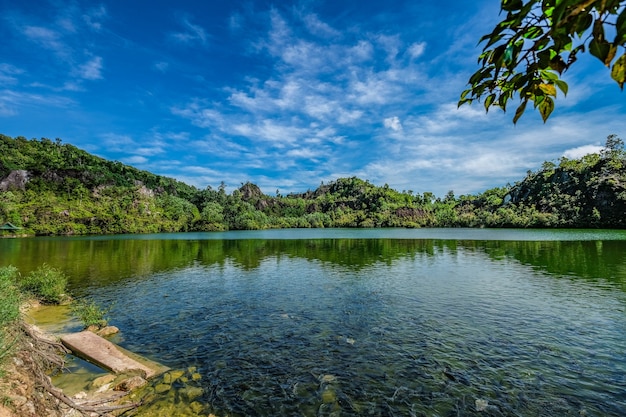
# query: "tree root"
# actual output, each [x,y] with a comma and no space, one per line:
[47,355]
[88,407]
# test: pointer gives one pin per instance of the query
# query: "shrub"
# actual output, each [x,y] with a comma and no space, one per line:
[90,313]
[10,299]
[46,283]
[10,296]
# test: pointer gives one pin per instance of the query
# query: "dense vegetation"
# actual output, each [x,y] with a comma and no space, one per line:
[46,284]
[50,188]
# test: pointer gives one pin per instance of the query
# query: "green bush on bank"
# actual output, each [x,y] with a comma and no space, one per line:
[46,284]
[10,296]
[10,299]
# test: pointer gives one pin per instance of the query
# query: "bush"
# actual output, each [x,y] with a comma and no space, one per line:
[10,296]
[46,283]
[10,299]
[90,313]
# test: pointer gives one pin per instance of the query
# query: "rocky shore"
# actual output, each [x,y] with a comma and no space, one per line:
[27,390]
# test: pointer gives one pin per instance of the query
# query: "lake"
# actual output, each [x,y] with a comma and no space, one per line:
[375,322]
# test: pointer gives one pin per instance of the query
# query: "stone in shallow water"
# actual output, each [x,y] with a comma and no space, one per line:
[329,396]
[328,378]
[161,388]
[130,384]
[102,380]
[173,376]
[481,405]
[191,393]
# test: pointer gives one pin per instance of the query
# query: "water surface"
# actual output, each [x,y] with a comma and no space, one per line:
[437,322]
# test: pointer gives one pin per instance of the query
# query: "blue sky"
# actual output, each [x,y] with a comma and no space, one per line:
[285,94]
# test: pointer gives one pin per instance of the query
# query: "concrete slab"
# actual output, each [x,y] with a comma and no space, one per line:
[107,355]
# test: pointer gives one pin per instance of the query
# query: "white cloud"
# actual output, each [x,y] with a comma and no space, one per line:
[161,66]
[8,74]
[48,39]
[416,49]
[581,151]
[93,17]
[135,160]
[91,70]
[192,34]
[393,123]
[116,141]
[318,27]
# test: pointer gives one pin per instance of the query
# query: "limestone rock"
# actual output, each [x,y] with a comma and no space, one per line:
[16,180]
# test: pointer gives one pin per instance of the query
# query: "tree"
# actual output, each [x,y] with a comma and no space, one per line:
[536,42]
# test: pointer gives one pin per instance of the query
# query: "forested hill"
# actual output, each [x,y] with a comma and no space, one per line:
[51,188]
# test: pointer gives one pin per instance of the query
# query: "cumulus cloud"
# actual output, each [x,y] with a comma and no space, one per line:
[318,27]
[416,49]
[581,151]
[393,123]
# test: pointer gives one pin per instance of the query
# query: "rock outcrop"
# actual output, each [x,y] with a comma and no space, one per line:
[16,180]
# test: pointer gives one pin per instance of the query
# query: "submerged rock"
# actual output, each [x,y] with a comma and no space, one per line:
[101,381]
[481,405]
[130,384]
[107,331]
[191,393]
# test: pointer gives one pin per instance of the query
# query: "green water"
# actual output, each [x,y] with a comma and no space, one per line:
[438,322]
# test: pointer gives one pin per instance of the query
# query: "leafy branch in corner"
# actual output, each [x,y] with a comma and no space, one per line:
[537,41]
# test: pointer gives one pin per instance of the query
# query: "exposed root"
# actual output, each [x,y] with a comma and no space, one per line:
[47,355]
[88,407]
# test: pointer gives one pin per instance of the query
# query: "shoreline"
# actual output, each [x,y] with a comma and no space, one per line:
[30,391]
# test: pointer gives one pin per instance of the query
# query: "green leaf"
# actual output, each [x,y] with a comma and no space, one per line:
[489,100]
[620,26]
[546,108]
[533,32]
[618,73]
[549,75]
[508,54]
[583,23]
[511,5]
[562,86]
[519,111]
[599,48]
[492,39]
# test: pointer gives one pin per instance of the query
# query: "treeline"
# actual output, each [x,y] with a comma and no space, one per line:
[51,188]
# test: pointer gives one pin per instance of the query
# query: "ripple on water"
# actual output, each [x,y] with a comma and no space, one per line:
[442,333]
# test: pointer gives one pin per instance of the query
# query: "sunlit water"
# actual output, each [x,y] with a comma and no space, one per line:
[522,324]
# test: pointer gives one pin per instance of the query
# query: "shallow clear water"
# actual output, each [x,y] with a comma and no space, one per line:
[371,325]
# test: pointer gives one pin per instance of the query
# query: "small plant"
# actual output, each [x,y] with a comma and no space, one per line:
[46,283]
[10,296]
[91,314]
[10,299]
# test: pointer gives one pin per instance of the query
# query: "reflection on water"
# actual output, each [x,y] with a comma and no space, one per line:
[380,327]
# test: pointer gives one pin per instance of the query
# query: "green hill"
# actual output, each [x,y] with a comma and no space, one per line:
[51,188]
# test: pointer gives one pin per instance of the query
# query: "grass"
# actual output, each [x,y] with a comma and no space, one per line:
[10,297]
[10,300]
[45,283]
[90,313]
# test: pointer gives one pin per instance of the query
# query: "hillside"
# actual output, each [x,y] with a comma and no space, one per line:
[51,188]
